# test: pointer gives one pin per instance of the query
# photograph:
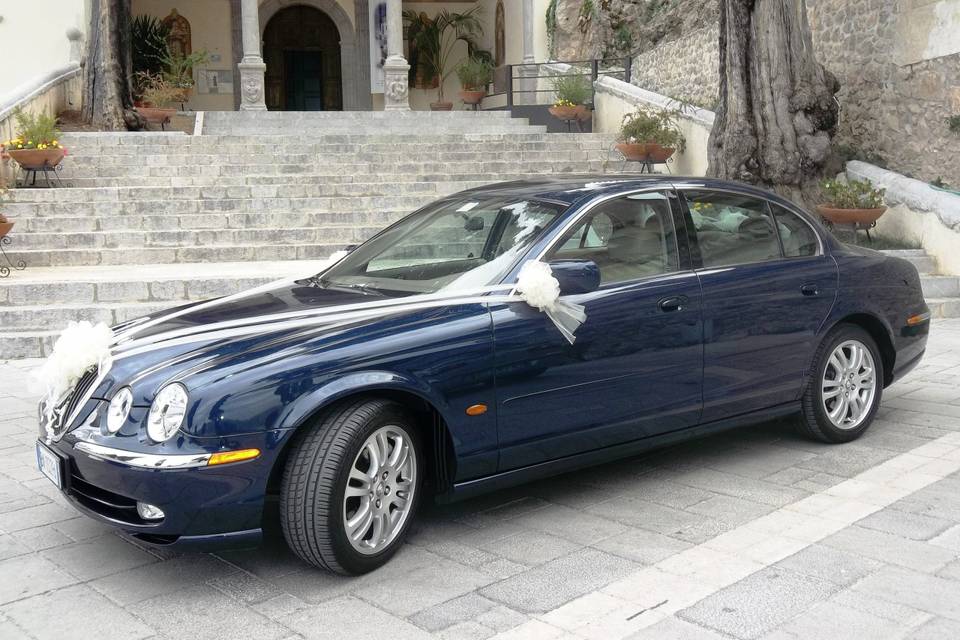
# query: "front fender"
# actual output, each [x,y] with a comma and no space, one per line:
[300,410]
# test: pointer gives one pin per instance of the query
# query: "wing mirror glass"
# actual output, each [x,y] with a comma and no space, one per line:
[576,276]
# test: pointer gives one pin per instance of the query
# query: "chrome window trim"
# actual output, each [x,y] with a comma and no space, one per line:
[590,206]
[143,460]
[820,245]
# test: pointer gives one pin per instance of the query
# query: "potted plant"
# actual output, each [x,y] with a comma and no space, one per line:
[650,135]
[436,39]
[573,93]
[178,72]
[36,145]
[5,224]
[475,74]
[851,202]
[155,94]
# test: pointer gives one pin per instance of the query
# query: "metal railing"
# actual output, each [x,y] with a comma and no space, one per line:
[506,77]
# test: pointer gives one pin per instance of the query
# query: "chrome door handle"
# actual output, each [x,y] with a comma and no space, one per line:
[810,289]
[671,304]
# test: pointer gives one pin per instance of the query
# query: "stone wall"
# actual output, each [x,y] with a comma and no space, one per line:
[685,68]
[898,62]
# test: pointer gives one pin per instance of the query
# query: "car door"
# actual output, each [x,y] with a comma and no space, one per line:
[635,367]
[767,289]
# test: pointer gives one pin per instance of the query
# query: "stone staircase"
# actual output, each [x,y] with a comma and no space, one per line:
[152,220]
[942,292]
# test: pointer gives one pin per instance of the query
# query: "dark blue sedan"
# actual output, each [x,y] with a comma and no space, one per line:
[415,366]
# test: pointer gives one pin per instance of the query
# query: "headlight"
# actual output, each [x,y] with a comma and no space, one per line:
[119,409]
[167,412]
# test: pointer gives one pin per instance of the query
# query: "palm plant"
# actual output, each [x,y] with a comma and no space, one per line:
[436,39]
[149,39]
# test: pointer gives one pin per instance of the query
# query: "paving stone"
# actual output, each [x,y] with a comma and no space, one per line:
[452,612]
[502,568]
[550,585]
[36,516]
[98,557]
[885,547]
[729,510]
[531,548]
[848,460]
[501,618]
[739,487]
[80,612]
[574,525]
[644,547]
[831,620]
[151,580]
[921,591]
[950,571]
[916,526]
[29,575]
[655,517]
[936,629]
[279,606]
[467,631]
[354,619]
[759,603]
[675,629]
[206,613]
[826,563]
[245,587]
[893,611]
[11,547]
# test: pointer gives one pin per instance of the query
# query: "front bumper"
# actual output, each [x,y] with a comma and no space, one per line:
[204,507]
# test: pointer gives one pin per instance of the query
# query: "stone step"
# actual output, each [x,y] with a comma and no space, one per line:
[39,302]
[944,307]
[940,286]
[171,255]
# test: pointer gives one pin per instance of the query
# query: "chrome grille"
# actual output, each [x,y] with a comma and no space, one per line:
[70,404]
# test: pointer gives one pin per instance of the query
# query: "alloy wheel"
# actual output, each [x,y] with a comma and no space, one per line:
[379,491]
[849,385]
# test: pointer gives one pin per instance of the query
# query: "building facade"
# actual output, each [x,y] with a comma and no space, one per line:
[328,54]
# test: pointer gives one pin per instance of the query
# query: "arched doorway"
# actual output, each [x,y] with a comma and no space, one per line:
[301,48]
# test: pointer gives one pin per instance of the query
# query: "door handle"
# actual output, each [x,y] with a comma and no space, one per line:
[810,289]
[671,304]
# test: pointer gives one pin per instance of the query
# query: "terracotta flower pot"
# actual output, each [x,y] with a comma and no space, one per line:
[640,151]
[156,114]
[850,216]
[583,112]
[5,227]
[37,158]
[566,112]
[441,106]
[472,97]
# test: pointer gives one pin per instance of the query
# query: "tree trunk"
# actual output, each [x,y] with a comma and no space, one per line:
[108,82]
[777,110]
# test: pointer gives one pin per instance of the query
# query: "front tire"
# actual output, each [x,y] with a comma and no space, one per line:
[845,386]
[351,486]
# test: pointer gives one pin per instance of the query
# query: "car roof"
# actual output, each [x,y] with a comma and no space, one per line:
[571,188]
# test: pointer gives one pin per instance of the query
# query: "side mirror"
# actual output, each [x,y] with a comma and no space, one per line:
[474,224]
[576,276]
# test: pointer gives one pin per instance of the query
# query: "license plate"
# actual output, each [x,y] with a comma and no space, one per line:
[50,465]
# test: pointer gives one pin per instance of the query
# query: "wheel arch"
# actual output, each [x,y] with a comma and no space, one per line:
[881,335]
[433,427]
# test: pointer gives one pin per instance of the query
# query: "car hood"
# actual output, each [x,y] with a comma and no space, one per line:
[176,343]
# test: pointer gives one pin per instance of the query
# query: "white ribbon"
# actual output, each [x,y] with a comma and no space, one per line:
[79,348]
[538,288]
[82,345]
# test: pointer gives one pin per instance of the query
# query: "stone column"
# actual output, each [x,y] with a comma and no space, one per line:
[251,66]
[396,94]
[528,83]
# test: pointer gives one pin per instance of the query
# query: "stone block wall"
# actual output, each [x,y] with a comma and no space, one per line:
[898,62]
[684,68]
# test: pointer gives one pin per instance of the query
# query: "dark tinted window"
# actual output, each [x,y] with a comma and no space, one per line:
[796,235]
[629,238]
[732,229]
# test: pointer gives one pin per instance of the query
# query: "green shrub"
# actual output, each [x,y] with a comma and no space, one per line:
[653,125]
[953,123]
[475,74]
[34,131]
[572,89]
[852,194]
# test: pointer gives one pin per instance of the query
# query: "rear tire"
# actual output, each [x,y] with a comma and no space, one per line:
[351,486]
[844,388]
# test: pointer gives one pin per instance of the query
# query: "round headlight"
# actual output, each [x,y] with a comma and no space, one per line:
[119,409]
[167,412]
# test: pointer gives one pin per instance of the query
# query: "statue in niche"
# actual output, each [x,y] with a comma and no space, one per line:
[179,39]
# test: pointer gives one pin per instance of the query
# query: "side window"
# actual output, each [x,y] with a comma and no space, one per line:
[629,238]
[796,235]
[732,229]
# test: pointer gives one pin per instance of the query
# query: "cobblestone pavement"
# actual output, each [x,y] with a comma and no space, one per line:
[756,533]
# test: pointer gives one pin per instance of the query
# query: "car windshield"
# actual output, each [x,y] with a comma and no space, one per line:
[453,245]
